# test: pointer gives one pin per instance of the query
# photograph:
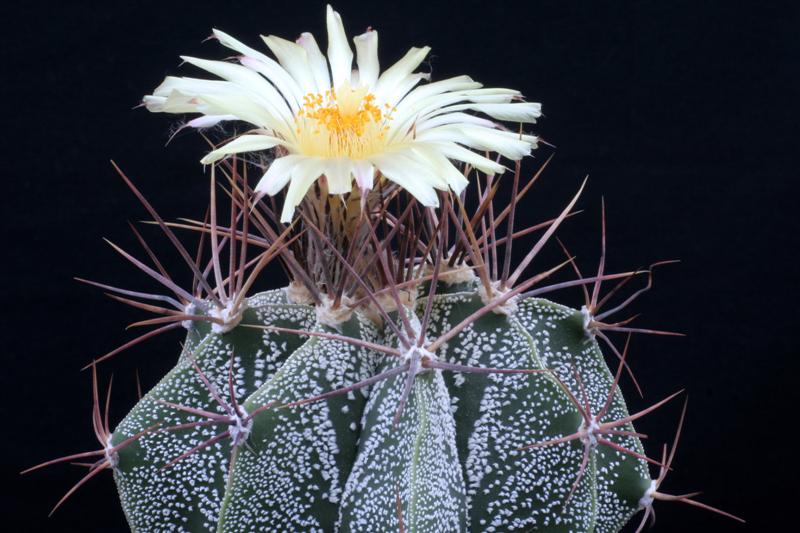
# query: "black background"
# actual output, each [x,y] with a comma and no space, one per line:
[682,113]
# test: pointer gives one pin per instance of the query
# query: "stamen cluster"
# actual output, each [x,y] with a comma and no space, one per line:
[347,124]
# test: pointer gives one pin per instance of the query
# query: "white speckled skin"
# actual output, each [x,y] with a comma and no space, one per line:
[452,463]
[188,495]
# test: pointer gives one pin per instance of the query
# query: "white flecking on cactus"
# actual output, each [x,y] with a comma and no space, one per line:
[407,373]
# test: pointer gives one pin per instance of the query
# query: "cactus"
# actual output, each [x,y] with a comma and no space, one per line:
[404,377]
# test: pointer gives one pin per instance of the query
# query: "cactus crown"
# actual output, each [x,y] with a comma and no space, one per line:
[409,375]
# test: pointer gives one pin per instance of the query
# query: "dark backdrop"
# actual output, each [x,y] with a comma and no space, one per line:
[681,112]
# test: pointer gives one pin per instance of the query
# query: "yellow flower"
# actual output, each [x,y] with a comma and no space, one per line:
[344,123]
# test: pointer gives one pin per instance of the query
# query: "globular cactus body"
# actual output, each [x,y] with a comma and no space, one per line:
[292,473]
[619,480]
[407,379]
[453,461]
[497,415]
[188,493]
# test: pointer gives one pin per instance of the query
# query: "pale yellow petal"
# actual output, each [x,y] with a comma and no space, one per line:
[458,83]
[395,169]
[244,108]
[453,118]
[304,174]
[526,112]
[404,86]
[442,166]
[459,153]
[256,87]
[433,105]
[340,56]
[243,143]
[367,58]
[154,103]
[278,174]
[267,67]
[339,171]
[294,59]
[317,62]
[364,173]
[508,144]
[389,80]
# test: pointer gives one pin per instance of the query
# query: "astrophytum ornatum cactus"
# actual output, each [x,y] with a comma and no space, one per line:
[407,374]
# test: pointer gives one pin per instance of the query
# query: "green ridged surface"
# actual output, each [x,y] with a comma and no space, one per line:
[410,472]
[452,463]
[291,475]
[621,480]
[497,414]
[187,496]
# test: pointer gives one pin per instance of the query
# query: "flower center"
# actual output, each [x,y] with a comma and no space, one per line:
[342,123]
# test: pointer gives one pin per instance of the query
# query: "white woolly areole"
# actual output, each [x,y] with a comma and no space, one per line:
[588,433]
[456,275]
[240,427]
[647,500]
[587,322]
[229,316]
[408,299]
[298,293]
[332,317]
[111,456]
[417,353]
[387,302]
[189,309]
[509,307]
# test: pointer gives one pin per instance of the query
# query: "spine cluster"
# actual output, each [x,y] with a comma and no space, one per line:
[408,376]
